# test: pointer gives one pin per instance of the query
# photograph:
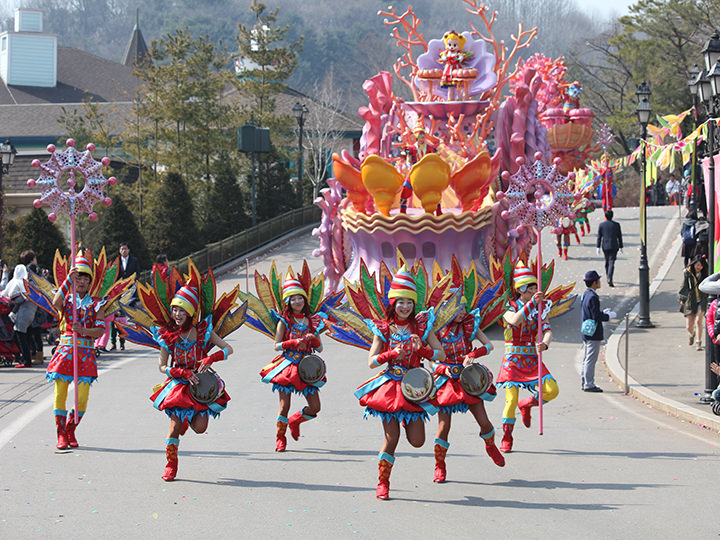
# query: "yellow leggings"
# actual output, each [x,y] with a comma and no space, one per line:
[61,392]
[550,391]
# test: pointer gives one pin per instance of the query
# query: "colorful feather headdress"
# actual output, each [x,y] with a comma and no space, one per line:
[267,306]
[105,283]
[157,296]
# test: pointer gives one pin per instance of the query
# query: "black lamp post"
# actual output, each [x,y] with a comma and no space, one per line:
[708,84]
[643,112]
[7,158]
[300,110]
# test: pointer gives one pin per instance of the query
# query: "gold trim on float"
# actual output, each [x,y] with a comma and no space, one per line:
[353,221]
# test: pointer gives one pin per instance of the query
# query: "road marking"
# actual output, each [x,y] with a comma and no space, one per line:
[7,434]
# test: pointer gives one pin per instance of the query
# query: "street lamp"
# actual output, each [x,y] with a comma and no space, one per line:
[708,92]
[7,158]
[643,112]
[300,110]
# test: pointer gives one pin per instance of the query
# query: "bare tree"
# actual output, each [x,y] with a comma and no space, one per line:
[325,132]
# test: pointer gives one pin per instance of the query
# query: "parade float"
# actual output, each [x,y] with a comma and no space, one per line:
[425,183]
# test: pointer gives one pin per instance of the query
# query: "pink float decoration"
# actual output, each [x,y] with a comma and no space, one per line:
[71,164]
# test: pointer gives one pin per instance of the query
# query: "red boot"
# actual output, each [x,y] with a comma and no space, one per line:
[171,452]
[70,429]
[525,405]
[62,439]
[441,448]
[295,421]
[559,251]
[281,440]
[491,449]
[507,441]
[385,465]
[565,250]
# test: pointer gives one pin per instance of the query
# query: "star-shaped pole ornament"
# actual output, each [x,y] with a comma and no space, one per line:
[72,165]
[539,196]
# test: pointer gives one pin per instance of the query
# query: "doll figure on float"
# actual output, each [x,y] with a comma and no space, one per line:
[455,58]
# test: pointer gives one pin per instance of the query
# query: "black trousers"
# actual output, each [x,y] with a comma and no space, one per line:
[23,342]
[610,256]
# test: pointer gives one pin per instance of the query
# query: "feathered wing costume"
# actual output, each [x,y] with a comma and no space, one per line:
[268,308]
[104,292]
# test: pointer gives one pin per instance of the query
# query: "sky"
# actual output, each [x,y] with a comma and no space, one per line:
[605,7]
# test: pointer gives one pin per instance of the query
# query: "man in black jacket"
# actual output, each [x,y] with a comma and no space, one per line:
[591,342]
[129,265]
[609,238]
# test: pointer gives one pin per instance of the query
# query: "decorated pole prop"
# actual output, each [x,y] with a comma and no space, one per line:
[539,196]
[72,163]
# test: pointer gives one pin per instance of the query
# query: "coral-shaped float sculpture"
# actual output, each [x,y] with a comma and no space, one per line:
[424,181]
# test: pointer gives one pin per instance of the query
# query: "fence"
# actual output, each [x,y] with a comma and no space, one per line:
[237,245]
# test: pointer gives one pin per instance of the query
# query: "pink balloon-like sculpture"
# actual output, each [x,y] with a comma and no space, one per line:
[72,163]
[539,196]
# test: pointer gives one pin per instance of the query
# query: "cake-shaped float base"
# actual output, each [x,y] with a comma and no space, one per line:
[417,234]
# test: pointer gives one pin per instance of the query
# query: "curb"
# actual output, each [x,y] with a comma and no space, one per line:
[617,371]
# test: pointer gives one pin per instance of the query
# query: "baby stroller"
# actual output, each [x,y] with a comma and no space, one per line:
[8,348]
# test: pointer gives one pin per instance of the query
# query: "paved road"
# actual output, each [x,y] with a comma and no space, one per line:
[607,466]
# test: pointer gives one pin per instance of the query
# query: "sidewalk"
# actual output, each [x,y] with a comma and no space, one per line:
[663,370]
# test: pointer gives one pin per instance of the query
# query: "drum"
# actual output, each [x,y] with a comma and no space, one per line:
[209,387]
[475,379]
[417,385]
[311,369]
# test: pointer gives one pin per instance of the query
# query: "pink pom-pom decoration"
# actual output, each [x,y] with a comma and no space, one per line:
[92,216]
[37,203]
[505,214]
[520,229]
[51,148]
[31,182]
[70,142]
[500,195]
[571,176]
[557,161]
[112,180]
[90,147]
[52,216]
[505,175]
[107,201]
[35,163]
[520,160]
[538,156]
[105,161]
[71,182]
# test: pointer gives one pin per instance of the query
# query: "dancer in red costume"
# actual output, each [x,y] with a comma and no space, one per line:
[564,229]
[519,368]
[296,335]
[184,348]
[456,339]
[88,326]
[401,341]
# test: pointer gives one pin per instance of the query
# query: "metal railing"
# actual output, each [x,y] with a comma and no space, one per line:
[237,245]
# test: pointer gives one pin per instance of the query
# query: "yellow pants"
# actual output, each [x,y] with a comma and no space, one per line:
[61,392]
[550,391]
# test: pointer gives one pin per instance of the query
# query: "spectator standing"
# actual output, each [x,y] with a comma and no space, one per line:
[693,302]
[161,265]
[609,239]
[129,265]
[591,329]
[23,310]
[3,275]
[672,188]
[687,233]
[36,326]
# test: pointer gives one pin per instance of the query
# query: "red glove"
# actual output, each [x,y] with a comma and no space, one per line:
[387,356]
[294,344]
[180,373]
[214,357]
[480,351]
[312,341]
[441,369]
[426,352]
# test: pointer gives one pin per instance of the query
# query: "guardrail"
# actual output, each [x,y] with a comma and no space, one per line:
[237,245]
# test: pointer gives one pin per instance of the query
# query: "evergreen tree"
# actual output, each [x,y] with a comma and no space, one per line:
[171,226]
[275,193]
[226,203]
[36,232]
[117,226]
